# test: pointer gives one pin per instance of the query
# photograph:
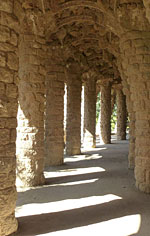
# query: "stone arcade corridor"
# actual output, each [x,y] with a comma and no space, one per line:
[92,193]
[47,46]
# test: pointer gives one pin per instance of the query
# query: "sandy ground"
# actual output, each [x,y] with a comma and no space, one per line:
[93,193]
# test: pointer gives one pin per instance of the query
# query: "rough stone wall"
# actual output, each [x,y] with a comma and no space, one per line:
[8,113]
[121,115]
[90,112]
[73,128]
[105,113]
[135,62]
[54,123]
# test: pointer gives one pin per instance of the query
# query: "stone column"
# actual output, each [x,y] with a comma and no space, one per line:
[136,63]
[30,131]
[113,99]
[121,115]
[54,126]
[90,113]
[73,134]
[131,156]
[105,114]
[131,114]
[8,114]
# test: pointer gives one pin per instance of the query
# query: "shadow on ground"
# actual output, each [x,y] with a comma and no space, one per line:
[93,175]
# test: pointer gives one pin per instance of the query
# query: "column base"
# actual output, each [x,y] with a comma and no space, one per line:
[143,187]
[8,225]
[72,152]
[28,182]
[119,137]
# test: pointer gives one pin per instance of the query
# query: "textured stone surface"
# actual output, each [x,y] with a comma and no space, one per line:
[121,115]
[90,113]
[105,113]
[8,123]
[138,74]
[111,38]
[30,131]
[54,130]
[73,128]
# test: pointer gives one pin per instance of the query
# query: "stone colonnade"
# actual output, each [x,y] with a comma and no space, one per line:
[23,50]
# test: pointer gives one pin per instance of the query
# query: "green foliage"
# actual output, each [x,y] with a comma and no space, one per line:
[97,107]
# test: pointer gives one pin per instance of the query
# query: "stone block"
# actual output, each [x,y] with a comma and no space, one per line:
[7,164]
[4,34]
[13,38]
[145,67]
[13,135]
[13,61]
[2,88]
[6,47]
[11,90]
[34,60]
[6,6]
[11,149]
[4,136]
[2,60]
[7,201]
[10,21]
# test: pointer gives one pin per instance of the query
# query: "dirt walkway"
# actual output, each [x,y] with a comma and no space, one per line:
[91,194]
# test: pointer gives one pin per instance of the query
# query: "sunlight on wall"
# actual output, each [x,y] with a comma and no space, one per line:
[69,204]
[123,226]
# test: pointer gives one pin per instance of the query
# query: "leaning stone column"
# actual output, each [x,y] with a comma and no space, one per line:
[54,127]
[90,113]
[73,134]
[131,156]
[8,117]
[105,113]
[30,131]
[137,72]
[131,114]
[121,115]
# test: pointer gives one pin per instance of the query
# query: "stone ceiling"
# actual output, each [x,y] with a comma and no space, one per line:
[89,31]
